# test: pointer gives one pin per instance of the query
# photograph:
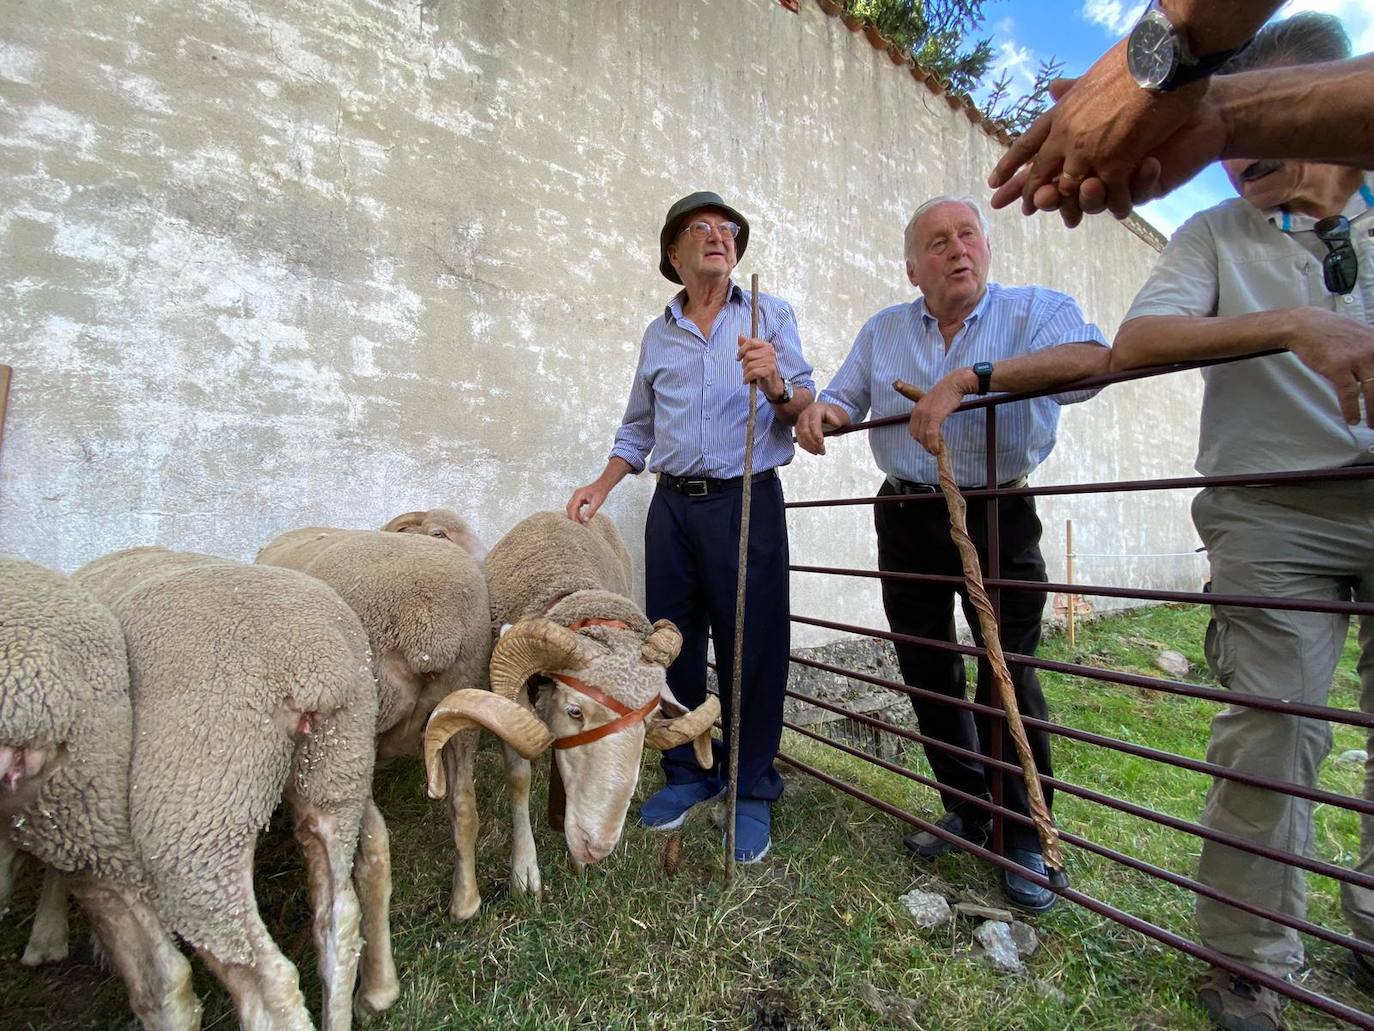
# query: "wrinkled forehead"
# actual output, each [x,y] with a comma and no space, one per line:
[707,214]
[945,217]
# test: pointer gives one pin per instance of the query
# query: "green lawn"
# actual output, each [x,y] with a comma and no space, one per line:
[800,940]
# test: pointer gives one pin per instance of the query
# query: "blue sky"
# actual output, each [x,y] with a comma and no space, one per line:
[1076,32]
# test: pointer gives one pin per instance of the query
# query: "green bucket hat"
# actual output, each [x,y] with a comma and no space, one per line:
[677,215]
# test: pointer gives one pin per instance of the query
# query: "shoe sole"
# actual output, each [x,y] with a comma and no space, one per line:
[673,825]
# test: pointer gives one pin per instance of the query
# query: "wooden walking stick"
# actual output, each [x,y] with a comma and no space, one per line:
[992,641]
[4,397]
[746,485]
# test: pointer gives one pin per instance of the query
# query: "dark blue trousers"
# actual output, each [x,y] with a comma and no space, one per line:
[691,564]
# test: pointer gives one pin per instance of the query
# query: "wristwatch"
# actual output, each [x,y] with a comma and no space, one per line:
[983,370]
[1158,57]
[787,393]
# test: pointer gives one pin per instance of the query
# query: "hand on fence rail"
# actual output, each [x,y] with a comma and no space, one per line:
[813,423]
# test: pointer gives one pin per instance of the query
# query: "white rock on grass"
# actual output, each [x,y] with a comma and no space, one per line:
[926,908]
[1172,663]
[999,948]
[1355,755]
[1027,941]
[978,912]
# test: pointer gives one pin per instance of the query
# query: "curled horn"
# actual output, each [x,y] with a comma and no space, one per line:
[468,708]
[694,725]
[536,646]
[662,644]
[404,522]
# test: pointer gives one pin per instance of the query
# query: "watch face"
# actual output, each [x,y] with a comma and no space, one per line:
[1151,52]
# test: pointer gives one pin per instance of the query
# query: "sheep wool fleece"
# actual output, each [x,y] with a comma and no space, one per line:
[547,557]
[64,685]
[225,660]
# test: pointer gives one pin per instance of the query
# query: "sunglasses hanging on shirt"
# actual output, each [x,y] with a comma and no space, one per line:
[1341,266]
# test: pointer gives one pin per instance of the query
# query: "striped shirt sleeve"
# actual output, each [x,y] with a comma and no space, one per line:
[635,437]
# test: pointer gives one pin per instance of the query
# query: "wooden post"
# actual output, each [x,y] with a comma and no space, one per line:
[5,373]
[1068,557]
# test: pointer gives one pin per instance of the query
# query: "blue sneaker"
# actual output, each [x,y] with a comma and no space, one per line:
[753,821]
[667,807]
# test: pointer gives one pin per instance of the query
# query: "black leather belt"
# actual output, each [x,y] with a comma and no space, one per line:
[700,486]
[909,487]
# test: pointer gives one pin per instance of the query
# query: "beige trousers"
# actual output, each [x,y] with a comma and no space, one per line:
[1312,541]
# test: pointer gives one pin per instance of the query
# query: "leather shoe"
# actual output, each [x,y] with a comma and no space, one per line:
[1022,892]
[929,846]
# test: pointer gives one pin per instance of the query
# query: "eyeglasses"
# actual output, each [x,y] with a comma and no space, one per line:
[702,230]
[1341,266]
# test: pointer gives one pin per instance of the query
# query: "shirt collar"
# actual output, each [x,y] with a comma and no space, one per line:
[1360,201]
[673,312]
[919,306]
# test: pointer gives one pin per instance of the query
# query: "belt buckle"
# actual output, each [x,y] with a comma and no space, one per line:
[696,488]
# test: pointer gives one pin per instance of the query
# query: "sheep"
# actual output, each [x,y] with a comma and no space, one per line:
[249,686]
[442,524]
[66,733]
[424,605]
[585,659]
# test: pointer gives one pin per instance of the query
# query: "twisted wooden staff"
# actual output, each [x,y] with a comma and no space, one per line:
[736,674]
[992,641]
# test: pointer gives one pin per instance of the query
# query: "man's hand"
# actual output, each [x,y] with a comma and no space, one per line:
[814,421]
[936,404]
[760,363]
[1340,350]
[585,501]
[1103,127]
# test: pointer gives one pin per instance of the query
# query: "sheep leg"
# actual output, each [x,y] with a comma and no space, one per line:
[48,938]
[336,925]
[377,987]
[524,860]
[155,973]
[10,861]
[266,989]
[462,812]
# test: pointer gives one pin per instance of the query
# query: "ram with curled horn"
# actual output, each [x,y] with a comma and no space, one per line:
[579,672]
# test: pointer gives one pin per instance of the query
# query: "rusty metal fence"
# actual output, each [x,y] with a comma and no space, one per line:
[995,585]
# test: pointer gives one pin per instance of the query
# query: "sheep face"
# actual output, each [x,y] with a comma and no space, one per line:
[441,524]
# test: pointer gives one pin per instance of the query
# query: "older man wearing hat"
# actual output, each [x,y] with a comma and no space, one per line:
[686,420]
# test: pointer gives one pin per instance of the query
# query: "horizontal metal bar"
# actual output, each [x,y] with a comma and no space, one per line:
[1149,869]
[1105,379]
[1240,601]
[1318,712]
[1341,473]
[1134,923]
[1120,805]
[1283,787]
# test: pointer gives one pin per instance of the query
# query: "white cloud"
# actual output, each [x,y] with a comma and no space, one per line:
[1016,61]
[1115,16]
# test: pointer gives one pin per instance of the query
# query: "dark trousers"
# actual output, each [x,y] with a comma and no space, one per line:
[691,563]
[914,538]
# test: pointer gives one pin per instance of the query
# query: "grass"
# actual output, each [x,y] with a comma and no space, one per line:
[800,940]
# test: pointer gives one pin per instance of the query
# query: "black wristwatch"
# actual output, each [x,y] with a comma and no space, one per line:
[983,370]
[787,394]
[1158,57]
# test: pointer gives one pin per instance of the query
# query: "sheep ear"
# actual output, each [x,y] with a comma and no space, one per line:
[405,522]
[469,708]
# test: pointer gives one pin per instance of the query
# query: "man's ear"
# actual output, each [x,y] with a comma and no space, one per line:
[911,273]
[672,256]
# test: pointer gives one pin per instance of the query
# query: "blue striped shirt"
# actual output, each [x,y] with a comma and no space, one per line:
[904,342]
[688,403]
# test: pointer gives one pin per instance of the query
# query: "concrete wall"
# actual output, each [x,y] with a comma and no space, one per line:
[280,263]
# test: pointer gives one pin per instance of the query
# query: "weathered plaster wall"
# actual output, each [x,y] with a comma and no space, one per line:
[277,263]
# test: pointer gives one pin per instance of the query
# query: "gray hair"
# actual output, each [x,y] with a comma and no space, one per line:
[909,236]
[1306,38]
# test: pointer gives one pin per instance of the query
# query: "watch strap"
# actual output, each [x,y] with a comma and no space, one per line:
[983,370]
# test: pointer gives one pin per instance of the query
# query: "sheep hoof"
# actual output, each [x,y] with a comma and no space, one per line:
[464,908]
[370,1004]
[37,953]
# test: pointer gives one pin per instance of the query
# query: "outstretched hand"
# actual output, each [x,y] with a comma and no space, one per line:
[1107,144]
